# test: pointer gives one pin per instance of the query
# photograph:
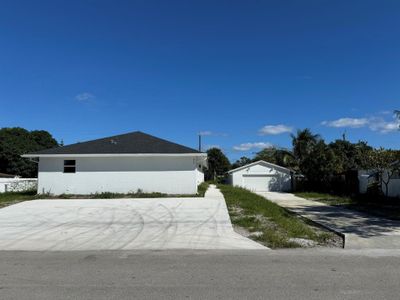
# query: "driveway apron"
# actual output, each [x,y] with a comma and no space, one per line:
[121,224]
[361,230]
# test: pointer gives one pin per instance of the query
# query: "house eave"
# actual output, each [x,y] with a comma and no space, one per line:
[203,155]
[263,163]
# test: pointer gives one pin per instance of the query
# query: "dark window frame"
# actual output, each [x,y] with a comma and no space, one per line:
[69,166]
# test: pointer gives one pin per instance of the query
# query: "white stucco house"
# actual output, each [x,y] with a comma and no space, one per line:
[120,164]
[262,176]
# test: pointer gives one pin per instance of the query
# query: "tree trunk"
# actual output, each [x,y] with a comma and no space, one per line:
[386,188]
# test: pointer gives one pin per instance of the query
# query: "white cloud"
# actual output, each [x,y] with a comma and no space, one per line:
[205,133]
[275,129]
[386,112]
[347,122]
[382,126]
[85,97]
[377,124]
[249,146]
[211,133]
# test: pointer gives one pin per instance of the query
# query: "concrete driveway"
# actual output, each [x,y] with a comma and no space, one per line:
[115,224]
[361,231]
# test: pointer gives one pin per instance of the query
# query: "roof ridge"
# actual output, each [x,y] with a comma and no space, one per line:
[257,162]
[135,142]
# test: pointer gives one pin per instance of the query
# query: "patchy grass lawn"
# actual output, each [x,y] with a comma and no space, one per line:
[202,188]
[271,224]
[10,198]
[15,197]
[326,198]
[377,206]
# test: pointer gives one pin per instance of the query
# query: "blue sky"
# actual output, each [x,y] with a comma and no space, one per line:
[245,73]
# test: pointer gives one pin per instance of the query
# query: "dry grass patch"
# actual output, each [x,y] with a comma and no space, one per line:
[274,226]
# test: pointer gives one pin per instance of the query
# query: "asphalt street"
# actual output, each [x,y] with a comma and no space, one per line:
[201,274]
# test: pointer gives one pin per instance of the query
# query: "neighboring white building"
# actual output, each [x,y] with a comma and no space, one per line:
[262,176]
[120,164]
[366,178]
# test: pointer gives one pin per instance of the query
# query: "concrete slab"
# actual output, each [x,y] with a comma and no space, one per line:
[361,231]
[121,224]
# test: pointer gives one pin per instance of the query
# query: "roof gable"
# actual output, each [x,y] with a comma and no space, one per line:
[130,143]
[261,162]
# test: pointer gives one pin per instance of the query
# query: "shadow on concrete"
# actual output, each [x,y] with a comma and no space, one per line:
[342,219]
[348,221]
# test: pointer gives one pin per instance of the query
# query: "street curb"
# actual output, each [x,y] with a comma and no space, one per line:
[342,235]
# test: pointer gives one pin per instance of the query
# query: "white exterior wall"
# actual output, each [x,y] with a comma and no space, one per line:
[170,175]
[364,181]
[199,176]
[394,188]
[273,178]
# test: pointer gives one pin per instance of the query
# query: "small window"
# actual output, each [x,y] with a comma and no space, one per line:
[69,166]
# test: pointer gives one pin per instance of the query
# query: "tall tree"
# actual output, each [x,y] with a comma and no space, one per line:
[280,157]
[241,162]
[303,143]
[319,165]
[17,141]
[218,163]
[351,156]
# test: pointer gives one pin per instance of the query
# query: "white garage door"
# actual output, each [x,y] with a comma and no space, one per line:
[256,183]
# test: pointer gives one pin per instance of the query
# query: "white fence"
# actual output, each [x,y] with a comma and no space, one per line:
[17,184]
[365,180]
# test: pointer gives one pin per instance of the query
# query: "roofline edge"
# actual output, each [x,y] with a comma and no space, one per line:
[116,155]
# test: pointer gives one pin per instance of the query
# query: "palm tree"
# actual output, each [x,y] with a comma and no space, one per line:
[285,158]
[279,156]
[303,143]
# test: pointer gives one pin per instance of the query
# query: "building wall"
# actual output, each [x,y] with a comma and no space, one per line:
[364,181]
[171,175]
[393,186]
[275,179]
[199,176]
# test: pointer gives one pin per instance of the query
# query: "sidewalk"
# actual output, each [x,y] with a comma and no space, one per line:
[361,231]
[213,192]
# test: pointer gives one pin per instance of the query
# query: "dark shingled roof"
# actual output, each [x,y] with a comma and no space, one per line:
[130,143]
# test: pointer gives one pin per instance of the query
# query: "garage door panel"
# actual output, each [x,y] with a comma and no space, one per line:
[255,183]
[261,183]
